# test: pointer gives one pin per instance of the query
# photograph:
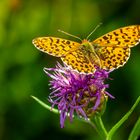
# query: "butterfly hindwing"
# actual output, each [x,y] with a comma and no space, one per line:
[78,61]
[112,57]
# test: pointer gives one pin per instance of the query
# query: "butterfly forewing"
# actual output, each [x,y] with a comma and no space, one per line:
[55,46]
[123,37]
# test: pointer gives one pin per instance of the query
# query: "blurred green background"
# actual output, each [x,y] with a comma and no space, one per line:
[21,65]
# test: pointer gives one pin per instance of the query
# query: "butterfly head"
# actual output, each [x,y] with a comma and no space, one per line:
[84,41]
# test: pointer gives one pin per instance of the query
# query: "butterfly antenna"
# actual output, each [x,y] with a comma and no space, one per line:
[70,34]
[94,30]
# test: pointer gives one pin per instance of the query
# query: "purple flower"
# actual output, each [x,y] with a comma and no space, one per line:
[75,93]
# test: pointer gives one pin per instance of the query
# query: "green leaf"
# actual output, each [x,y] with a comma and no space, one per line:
[135,133]
[124,118]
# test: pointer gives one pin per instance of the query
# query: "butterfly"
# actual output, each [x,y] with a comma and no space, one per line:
[108,52]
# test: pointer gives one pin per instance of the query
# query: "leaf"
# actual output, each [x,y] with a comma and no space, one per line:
[135,133]
[45,105]
[124,118]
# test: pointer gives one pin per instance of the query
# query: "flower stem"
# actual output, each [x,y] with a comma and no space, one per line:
[99,126]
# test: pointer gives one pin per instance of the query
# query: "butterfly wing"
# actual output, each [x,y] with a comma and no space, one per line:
[123,37]
[112,57]
[78,61]
[55,46]
[113,48]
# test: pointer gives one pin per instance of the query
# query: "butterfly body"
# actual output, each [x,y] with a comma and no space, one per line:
[108,52]
[89,50]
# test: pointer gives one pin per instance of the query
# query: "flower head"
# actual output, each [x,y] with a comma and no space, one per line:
[75,93]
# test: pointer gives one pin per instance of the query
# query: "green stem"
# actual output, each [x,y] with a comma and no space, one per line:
[45,105]
[97,121]
[124,118]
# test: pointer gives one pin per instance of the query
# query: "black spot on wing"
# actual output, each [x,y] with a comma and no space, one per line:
[105,37]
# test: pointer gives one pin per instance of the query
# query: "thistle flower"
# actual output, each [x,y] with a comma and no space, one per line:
[75,93]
